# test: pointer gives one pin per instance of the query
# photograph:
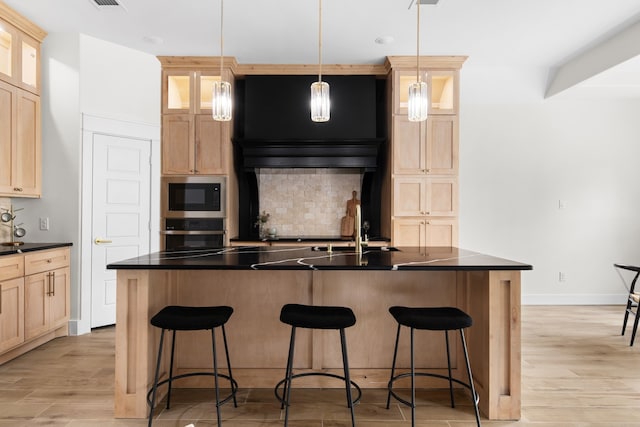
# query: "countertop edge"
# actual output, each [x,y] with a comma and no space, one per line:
[31,247]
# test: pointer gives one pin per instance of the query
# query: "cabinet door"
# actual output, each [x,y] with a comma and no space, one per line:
[11,313]
[409,198]
[36,305]
[204,90]
[408,232]
[7,136]
[29,64]
[210,146]
[442,145]
[8,52]
[178,144]
[27,160]
[11,266]
[178,89]
[441,197]
[60,284]
[443,90]
[441,232]
[409,155]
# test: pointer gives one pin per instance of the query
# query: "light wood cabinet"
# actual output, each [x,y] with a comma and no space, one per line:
[19,51]
[424,156]
[34,300]
[425,231]
[20,126]
[443,89]
[193,144]
[46,301]
[187,91]
[429,147]
[431,196]
[11,313]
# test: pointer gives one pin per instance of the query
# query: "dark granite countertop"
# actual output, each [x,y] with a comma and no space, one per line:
[297,239]
[30,247]
[317,258]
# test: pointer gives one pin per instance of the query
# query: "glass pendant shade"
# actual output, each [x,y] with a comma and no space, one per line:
[320,103]
[418,102]
[221,101]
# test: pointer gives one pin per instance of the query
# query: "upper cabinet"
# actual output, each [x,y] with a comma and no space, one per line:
[192,142]
[187,91]
[20,125]
[443,90]
[19,50]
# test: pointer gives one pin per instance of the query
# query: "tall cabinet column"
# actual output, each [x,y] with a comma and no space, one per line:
[422,165]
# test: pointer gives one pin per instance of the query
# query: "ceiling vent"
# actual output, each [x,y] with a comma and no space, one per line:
[107,4]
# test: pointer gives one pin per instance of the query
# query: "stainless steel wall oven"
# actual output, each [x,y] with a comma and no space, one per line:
[193,212]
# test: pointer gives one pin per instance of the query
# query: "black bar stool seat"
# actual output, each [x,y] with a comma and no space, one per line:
[316,317]
[181,318]
[433,319]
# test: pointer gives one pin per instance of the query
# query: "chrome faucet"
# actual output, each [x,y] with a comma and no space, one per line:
[358,229]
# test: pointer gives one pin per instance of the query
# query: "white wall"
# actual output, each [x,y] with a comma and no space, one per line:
[520,155]
[81,74]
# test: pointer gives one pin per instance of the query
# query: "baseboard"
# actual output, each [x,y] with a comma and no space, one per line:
[78,327]
[574,299]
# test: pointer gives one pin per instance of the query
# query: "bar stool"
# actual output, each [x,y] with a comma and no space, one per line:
[316,317]
[180,318]
[434,319]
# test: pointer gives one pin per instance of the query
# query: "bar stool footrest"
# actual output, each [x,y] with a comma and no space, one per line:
[424,374]
[323,374]
[232,381]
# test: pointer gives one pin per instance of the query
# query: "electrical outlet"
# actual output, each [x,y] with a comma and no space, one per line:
[44,223]
[562,276]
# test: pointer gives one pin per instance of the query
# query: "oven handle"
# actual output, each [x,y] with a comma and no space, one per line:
[193,232]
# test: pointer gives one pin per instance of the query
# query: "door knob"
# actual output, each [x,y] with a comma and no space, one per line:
[99,241]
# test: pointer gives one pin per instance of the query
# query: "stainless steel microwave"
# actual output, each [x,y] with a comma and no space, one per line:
[193,197]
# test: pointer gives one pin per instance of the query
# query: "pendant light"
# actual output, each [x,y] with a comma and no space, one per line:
[418,92]
[221,93]
[320,103]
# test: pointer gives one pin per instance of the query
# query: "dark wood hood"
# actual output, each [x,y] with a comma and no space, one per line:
[353,153]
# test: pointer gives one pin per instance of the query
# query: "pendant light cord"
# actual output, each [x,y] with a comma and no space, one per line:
[320,40]
[221,37]
[418,45]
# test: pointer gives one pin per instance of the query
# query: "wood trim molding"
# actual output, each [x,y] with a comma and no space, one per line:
[22,23]
[446,62]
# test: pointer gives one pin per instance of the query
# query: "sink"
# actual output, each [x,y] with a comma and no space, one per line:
[353,249]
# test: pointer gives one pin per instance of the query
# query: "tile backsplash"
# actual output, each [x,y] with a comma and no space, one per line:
[307,202]
[5,232]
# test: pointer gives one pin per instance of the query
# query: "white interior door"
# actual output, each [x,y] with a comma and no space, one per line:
[120,210]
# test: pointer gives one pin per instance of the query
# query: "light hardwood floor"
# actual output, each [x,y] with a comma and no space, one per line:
[577,372]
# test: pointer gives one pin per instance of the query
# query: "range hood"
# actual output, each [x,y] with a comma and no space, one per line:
[351,153]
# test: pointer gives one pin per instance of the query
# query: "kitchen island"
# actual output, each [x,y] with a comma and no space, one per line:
[258,281]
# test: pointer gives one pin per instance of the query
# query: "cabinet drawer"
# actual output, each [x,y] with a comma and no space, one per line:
[38,262]
[11,266]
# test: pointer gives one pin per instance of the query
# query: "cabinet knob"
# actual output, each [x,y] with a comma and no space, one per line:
[17,189]
[49,261]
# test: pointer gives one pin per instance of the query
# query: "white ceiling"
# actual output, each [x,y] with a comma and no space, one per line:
[544,34]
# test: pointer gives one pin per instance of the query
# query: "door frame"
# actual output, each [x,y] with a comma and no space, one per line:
[100,125]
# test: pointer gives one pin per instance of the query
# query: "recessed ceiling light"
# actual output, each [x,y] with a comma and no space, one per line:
[384,40]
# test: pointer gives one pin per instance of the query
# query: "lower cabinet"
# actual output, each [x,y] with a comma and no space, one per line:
[11,313]
[46,297]
[34,300]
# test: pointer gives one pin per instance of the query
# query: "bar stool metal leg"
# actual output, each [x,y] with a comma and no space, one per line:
[155,381]
[173,349]
[393,366]
[446,338]
[474,396]
[413,383]
[226,350]
[347,378]
[215,375]
[289,374]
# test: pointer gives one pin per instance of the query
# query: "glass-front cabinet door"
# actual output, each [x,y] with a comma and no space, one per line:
[7,42]
[188,91]
[177,93]
[443,90]
[29,60]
